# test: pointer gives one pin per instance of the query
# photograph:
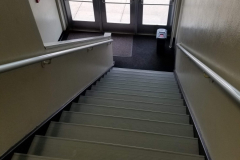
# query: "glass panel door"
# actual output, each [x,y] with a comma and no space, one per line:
[82,11]
[118,12]
[118,15]
[154,14]
[127,16]
[83,14]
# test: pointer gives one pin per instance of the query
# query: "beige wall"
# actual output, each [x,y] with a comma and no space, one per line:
[211,30]
[20,38]
[47,18]
[31,94]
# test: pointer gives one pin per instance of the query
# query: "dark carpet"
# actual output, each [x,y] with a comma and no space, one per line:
[122,44]
[144,53]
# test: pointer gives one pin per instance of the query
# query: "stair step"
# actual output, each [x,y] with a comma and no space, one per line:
[129,76]
[170,101]
[139,71]
[141,88]
[136,92]
[133,105]
[124,137]
[77,149]
[130,84]
[18,156]
[128,123]
[137,84]
[131,113]
[135,80]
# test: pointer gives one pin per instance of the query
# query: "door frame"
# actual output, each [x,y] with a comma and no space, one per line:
[85,25]
[118,27]
[101,25]
[150,29]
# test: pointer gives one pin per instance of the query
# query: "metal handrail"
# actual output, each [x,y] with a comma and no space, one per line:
[232,91]
[25,62]
[142,3]
[80,1]
[103,1]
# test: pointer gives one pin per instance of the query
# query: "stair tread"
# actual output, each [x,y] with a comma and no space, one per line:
[145,89]
[133,105]
[133,91]
[102,115]
[136,74]
[127,130]
[124,137]
[161,100]
[129,94]
[127,74]
[137,84]
[128,123]
[178,114]
[96,150]
[131,113]
[140,71]
[166,82]
[121,76]
[135,101]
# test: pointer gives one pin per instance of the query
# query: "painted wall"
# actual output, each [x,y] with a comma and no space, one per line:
[20,38]
[31,94]
[47,19]
[210,29]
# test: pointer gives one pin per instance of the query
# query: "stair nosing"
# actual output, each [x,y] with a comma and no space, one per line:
[151,77]
[139,90]
[138,75]
[180,99]
[123,146]
[148,71]
[148,120]
[139,70]
[127,130]
[176,114]
[147,87]
[134,101]
[175,83]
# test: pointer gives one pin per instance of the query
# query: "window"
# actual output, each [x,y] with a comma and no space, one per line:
[155,12]
[82,11]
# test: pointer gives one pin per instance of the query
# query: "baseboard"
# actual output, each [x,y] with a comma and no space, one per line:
[197,132]
[24,144]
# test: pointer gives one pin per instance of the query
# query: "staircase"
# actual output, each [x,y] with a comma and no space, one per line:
[129,114]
